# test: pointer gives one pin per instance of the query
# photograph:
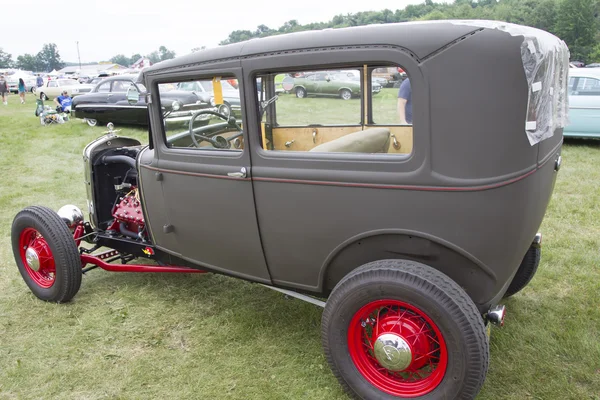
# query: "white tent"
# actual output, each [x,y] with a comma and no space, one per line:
[53,73]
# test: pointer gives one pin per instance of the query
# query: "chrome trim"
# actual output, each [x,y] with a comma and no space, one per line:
[537,240]
[304,297]
[496,315]
[584,108]
[107,105]
[242,174]
[32,258]
[392,352]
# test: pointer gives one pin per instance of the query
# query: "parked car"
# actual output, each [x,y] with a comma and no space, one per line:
[593,65]
[13,82]
[55,87]
[578,64]
[331,84]
[231,96]
[108,102]
[584,103]
[408,241]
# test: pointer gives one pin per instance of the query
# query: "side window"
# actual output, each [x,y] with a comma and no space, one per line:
[120,86]
[104,88]
[357,109]
[52,84]
[587,87]
[202,114]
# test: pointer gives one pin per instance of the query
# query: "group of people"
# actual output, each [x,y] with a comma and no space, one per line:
[4,90]
[63,102]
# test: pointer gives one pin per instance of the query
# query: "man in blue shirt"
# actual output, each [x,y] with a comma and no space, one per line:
[63,102]
[405,103]
[39,81]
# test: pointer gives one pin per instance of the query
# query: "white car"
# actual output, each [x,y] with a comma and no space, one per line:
[13,83]
[55,87]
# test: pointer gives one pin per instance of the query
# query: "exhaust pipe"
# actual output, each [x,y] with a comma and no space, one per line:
[496,315]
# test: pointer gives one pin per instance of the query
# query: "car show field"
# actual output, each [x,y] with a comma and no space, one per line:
[178,336]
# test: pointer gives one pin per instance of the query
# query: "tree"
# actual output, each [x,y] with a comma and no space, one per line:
[29,62]
[134,58]
[165,54]
[153,57]
[5,59]
[49,57]
[121,60]
[576,25]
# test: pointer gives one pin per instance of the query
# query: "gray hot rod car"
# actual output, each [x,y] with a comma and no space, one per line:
[408,234]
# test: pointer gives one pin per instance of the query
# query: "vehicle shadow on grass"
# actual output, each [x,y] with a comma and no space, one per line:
[582,142]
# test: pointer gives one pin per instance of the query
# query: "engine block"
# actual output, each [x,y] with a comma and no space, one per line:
[129,210]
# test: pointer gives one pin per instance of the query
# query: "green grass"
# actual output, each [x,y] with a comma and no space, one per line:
[161,336]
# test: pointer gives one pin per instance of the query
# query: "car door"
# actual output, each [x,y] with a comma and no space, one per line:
[584,107]
[52,89]
[208,193]
[123,111]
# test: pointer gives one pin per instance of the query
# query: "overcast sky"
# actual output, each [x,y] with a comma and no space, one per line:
[109,27]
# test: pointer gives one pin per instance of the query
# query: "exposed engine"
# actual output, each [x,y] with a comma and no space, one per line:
[129,218]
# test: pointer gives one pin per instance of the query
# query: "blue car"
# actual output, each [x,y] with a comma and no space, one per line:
[584,103]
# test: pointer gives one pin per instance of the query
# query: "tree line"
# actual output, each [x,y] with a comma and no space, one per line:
[49,58]
[574,21]
[46,59]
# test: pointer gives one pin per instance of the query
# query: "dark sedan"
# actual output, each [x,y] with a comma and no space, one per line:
[107,102]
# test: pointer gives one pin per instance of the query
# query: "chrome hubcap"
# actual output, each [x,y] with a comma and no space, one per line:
[392,352]
[33,260]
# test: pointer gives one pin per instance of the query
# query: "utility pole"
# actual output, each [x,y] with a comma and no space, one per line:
[78,56]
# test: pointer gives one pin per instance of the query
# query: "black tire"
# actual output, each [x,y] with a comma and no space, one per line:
[300,92]
[43,96]
[67,277]
[432,293]
[526,271]
[92,122]
[345,94]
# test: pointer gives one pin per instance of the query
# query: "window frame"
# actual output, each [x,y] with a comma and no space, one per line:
[161,143]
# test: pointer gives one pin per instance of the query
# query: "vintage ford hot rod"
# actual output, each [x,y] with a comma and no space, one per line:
[407,215]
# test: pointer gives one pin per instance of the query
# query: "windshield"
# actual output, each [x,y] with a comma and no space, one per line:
[67,82]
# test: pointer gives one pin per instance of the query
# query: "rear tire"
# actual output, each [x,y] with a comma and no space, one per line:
[46,254]
[417,306]
[300,93]
[526,271]
[91,122]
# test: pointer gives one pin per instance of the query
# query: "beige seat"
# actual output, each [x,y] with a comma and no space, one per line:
[373,140]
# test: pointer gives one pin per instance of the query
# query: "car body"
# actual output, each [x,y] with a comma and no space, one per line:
[55,87]
[330,84]
[593,65]
[107,102]
[13,82]
[409,235]
[584,103]
[578,64]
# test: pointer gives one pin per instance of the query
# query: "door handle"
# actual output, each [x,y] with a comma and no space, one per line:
[241,174]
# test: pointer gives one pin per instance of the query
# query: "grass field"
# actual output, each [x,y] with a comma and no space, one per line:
[160,336]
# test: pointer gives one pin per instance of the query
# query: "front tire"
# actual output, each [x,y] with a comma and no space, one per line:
[43,96]
[395,328]
[300,93]
[46,254]
[345,94]
[91,122]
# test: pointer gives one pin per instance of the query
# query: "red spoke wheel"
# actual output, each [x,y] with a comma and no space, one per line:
[46,254]
[397,348]
[36,257]
[400,329]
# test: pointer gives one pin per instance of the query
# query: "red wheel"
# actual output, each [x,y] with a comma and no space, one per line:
[400,329]
[397,348]
[37,258]
[46,254]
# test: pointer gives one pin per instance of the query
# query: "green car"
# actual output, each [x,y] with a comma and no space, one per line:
[336,84]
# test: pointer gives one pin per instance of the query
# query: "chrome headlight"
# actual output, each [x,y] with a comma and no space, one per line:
[225,110]
[175,105]
[71,214]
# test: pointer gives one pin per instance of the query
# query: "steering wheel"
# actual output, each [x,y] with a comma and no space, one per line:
[218,142]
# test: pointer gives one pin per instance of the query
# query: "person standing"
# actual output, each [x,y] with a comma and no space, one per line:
[39,81]
[3,89]
[405,103]
[22,90]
